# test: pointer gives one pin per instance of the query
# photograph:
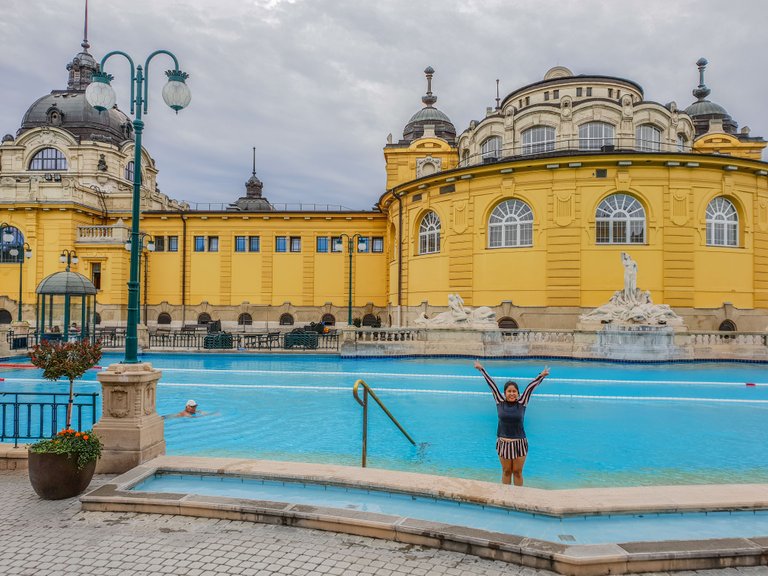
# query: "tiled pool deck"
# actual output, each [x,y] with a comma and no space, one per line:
[58,538]
[570,559]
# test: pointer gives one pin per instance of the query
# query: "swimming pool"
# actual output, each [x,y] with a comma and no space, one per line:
[590,424]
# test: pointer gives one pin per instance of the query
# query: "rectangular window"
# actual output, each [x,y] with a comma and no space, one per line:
[578,91]
[322,243]
[610,92]
[378,244]
[363,244]
[527,100]
[96,275]
[589,91]
[555,94]
[254,244]
[546,95]
[173,243]
[199,243]
[213,243]
[281,244]
[337,245]
[159,243]
[239,243]
[295,243]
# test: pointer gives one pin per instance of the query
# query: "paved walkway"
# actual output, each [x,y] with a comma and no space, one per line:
[55,538]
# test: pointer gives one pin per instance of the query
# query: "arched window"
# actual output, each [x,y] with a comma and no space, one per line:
[508,323]
[491,149]
[648,138]
[465,157]
[538,140]
[5,316]
[429,234]
[682,145]
[620,219]
[96,318]
[244,319]
[164,318]
[510,224]
[371,320]
[11,245]
[204,318]
[595,135]
[129,171]
[286,320]
[727,326]
[722,223]
[48,159]
[328,320]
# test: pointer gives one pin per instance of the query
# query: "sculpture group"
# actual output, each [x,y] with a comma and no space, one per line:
[458,316]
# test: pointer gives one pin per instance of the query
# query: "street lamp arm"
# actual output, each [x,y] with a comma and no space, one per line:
[133,71]
[145,96]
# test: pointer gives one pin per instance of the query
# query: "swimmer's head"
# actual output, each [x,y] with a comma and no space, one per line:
[511,391]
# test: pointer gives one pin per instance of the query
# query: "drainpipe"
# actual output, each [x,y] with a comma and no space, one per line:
[183,270]
[399,258]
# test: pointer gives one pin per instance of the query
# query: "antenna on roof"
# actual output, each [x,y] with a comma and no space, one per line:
[254,161]
[85,29]
[497,94]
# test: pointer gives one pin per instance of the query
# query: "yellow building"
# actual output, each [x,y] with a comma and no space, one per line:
[526,211]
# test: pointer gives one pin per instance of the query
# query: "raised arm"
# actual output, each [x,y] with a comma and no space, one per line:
[491,384]
[526,396]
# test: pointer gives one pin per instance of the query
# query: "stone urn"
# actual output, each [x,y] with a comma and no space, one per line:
[55,476]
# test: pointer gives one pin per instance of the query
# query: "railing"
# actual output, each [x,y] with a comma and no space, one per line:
[386,334]
[364,403]
[528,336]
[192,339]
[294,207]
[36,415]
[102,234]
[572,147]
[737,339]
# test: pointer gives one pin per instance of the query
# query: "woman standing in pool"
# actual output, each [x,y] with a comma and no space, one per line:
[511,444]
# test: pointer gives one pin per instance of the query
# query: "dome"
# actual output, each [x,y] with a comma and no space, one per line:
[429,116]
[702,111]
[69,110]
[69,283]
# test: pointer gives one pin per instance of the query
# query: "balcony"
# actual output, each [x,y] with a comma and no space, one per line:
[117,234]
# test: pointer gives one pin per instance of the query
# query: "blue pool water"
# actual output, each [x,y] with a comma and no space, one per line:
[572,530]
[589,424]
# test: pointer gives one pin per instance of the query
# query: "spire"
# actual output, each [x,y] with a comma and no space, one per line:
[497,95]
[429,99]
[254,162]
[254,186]
[701,92]
[83,65]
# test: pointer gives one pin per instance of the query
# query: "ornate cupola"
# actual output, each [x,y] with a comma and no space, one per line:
[702,111]
[429,116]
[253,200]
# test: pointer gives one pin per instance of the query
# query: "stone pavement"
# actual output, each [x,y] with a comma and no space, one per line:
[55,538]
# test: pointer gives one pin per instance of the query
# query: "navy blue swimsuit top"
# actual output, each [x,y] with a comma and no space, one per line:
[511,414]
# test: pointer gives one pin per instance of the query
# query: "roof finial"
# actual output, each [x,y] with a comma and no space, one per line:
[254,162]
[497,94]
[85,44]
[701,92]
[429,99]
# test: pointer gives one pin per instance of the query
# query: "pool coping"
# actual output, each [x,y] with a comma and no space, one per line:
[571,560]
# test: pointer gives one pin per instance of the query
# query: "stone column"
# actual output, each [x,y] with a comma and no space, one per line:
[130,427]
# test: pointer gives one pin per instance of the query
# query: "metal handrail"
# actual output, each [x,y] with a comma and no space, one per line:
[364,403]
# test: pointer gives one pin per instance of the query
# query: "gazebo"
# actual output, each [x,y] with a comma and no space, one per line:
[62,298]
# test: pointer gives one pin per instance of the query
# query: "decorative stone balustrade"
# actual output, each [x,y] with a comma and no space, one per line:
[386,334]
[102,234]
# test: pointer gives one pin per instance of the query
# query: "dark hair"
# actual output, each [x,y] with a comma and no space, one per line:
[509,383]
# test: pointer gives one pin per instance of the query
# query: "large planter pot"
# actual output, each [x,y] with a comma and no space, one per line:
[55,476]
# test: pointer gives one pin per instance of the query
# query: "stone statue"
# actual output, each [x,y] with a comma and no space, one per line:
[632,306]
[458,316]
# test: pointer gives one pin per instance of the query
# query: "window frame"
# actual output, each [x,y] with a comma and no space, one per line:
[199,244]
[281,244]
[377,244]
[430,227]
[294,244]
[254,244]
[718,223]
[488,152]
[515,234]
[240,243]
[533,145]
[609,226]
[173,244]
[58,160]
[322,245]
[648,138]
[212,243]
[591,141]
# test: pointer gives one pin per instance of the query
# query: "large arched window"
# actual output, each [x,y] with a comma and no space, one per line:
[429,234]
[647,138]
[11,245]
[538,140]
[722,223]
[595,135]
[620,219]
[48,159]
[491,149]
[510,224]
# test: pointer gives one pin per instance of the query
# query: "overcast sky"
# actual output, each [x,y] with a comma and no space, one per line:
[316,85]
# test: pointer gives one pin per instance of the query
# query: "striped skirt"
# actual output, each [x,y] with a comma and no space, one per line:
[512,448]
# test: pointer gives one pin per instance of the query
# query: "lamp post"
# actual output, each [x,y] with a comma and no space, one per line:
[24,252]
[101,96]
[70,257]
[150,245]
[338,245]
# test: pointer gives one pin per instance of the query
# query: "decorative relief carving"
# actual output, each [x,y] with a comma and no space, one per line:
[118,403]
[762,214]
[679,208]
[627,110]
[623,180]
[149,399]
[563,209]
[566,108]
[427,165]
[460,217]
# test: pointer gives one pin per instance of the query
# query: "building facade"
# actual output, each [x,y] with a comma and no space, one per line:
[526,211]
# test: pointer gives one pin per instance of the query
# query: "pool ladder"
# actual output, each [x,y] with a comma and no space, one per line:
[364,403]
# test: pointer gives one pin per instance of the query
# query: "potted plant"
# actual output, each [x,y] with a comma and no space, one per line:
[63,466]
